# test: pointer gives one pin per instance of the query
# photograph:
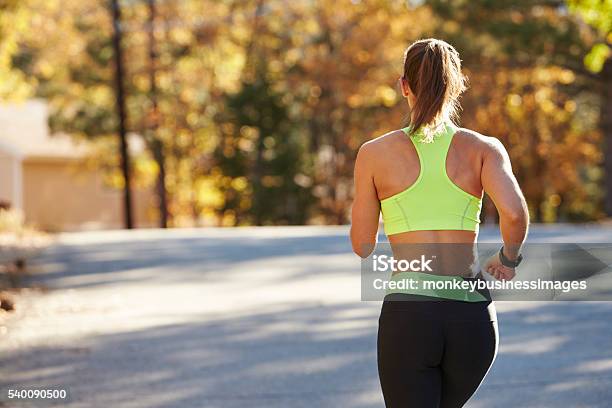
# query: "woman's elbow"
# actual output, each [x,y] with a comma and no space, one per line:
[360,251]
[362,247]
[515,215]
[363,250]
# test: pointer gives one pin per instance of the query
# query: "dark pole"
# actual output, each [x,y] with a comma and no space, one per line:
[125,160]
[157,145]
[606,128]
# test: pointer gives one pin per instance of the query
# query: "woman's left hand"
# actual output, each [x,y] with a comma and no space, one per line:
[495,268]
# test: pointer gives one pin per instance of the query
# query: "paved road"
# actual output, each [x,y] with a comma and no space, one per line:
[266,317]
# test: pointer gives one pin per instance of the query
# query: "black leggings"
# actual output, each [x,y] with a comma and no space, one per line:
[434,354]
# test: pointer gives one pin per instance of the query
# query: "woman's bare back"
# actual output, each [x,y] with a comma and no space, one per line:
[399,168]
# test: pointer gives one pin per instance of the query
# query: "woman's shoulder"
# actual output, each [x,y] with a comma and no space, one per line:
[384,142]
[375,152]
[478,140]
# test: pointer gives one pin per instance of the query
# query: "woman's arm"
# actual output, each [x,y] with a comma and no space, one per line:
[366,207]
[500,184]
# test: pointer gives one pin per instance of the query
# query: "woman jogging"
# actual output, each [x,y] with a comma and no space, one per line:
[428,181]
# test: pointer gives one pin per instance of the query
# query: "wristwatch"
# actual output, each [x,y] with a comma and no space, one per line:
[507,262]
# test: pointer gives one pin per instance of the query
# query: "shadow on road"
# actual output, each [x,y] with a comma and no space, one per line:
[551,354]
[196,258]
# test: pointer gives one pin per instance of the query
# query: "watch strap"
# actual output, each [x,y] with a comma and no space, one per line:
[507,262]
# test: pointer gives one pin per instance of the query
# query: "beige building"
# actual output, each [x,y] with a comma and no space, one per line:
[47,177]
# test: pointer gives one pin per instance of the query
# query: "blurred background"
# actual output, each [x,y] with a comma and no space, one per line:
[196,114]
[234,113]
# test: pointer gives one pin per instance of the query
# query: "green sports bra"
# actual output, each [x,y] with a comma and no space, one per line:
[433,202]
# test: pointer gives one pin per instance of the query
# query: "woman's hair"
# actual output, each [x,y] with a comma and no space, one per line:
[432,69]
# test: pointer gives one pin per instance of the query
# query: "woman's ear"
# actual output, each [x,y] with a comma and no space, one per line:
[401,84]
[405,87]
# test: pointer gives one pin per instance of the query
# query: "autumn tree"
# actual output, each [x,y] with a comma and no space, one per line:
[255,109]
[530,89]
[598,14]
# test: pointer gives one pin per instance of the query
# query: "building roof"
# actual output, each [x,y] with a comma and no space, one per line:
[24,132]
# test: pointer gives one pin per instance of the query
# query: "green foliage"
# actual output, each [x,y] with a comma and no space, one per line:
[598,14]
[14,84]
[596,58]
[261,153]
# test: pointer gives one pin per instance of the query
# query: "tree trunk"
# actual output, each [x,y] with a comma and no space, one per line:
[606,129]
[156,144]
[122,113]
